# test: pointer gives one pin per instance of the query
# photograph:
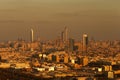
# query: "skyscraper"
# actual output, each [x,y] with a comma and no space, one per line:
[71,45]
[62,36]
[32,35]
[66,34]
[85,42]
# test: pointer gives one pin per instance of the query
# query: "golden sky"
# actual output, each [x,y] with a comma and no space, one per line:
[99,18]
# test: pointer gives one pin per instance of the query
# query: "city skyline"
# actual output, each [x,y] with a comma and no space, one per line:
[99,19]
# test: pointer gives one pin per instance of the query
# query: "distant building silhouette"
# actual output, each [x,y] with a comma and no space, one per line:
[62,36]
[71,45]
[32,35]
[85,43]
[66,34]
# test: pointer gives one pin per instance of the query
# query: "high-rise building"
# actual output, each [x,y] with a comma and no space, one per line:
[32,35]
[32,39]
[62,36]
[85,42]
[66,34]
[71,45]
[85,39]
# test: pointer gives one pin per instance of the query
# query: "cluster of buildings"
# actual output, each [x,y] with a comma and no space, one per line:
[63,57]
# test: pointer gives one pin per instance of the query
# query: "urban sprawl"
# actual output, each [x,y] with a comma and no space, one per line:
[60,59]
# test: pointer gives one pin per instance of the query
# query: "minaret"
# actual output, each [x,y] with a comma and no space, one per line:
[32,35]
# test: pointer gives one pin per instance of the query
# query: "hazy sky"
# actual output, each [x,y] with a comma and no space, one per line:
[99,18]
